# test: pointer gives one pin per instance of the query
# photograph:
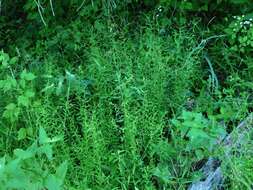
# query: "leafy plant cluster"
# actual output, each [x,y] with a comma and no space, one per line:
[240,33]
[136,93]
[21,87]
[28,169]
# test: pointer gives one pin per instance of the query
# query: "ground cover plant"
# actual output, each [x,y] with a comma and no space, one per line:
[131,94]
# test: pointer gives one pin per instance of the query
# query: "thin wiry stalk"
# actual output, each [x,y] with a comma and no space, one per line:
[80,6]
[214,77]
[52,8]
[40,13]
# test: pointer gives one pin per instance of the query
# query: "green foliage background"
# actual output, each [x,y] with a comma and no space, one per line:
[133,94]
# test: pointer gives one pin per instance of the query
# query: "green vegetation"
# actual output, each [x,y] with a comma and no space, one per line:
[130,94]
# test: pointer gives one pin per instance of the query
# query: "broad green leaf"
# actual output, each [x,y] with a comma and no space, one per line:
[195,133]
[5,63]
[8,84]
[30,76]
[163,173]
[17,183]
[33,148]
[22,83]
[23,154]
[4,58]
[47,150]
[29,131]
[53,183]
[21,134]
[164,150]
[11,112]
[200,154]
[43,138]
[2,166]
[18,180]
[13,166]
[62,170]
[27,76]
[10,106]
[29,94]
[23,100]
[13,60]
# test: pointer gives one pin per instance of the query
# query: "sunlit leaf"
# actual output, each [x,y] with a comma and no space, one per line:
[23,100]
[21,134]
[43,138]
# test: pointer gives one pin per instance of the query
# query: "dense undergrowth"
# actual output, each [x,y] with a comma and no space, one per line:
[122,94]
